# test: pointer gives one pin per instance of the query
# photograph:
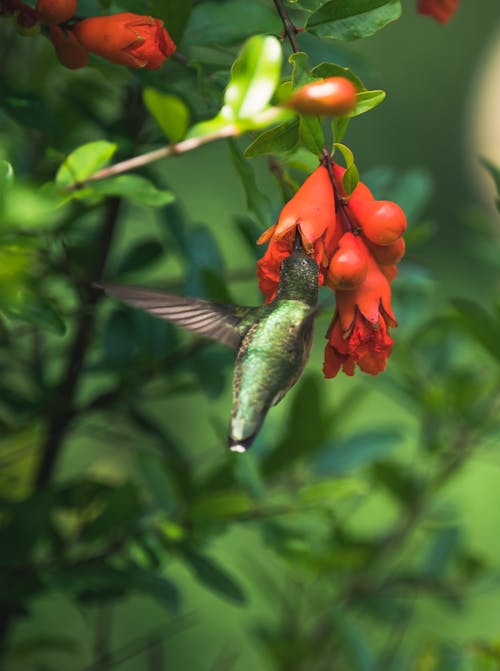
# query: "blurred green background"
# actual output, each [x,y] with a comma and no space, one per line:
[393,564]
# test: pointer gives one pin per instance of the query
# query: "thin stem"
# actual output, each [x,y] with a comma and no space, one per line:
[290,29]
[144,159]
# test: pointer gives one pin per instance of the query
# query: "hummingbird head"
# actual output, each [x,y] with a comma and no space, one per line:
[299,278]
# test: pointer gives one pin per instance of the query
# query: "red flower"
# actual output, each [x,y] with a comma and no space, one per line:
[335,229]
[68,49]
[126,39]
[441,10]
[311,214]
[53,12]
[358,333]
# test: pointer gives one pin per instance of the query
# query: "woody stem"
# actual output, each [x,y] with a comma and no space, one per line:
[290,29]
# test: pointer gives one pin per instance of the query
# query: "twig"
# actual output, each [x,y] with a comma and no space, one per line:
[290,29]
[151,156]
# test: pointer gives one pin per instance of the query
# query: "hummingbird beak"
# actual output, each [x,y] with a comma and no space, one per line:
[297,247]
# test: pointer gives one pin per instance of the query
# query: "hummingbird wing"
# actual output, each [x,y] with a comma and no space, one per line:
[221,322]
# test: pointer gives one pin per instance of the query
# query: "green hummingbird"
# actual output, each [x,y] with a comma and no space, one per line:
[273,341]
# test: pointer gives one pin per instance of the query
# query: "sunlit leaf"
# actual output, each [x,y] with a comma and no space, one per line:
[169,111]
[84,161]
[254,77]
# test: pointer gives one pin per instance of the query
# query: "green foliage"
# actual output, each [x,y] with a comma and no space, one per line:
[340,527]
[353,19]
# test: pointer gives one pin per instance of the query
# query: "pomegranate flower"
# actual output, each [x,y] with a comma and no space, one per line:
[68,49]
[336,229]
[441,10]
[126,39]
[359,333]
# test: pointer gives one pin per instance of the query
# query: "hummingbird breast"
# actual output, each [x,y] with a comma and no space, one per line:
[271,358]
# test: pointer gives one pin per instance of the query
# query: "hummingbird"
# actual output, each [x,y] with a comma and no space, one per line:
[272,341]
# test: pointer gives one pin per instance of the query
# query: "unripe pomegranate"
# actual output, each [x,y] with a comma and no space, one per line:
[349,265]
[387,255]
[53,12]
[382,221]
[331,96]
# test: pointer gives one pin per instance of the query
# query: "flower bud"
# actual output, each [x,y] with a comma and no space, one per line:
[382,221]
[126,39]
[387,255]
[349,264]
[331,96]
[68,49]
[53,12]
[312,209]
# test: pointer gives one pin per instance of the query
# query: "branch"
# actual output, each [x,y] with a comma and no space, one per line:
[151,156]
[290,29]
[62,402]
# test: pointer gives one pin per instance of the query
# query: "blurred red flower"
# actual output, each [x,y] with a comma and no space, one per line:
[441,10]
[126,39]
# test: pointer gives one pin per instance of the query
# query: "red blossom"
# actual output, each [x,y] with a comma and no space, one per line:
[68,49]
[358,333]
[359,271]
[365,345]
[441,10]
[126,39]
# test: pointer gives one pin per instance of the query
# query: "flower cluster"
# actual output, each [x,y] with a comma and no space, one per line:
[128,39]
[441,10]
[357,242]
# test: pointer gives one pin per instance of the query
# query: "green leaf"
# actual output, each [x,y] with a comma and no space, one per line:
[365,101]
[361,449]
[277,140]
[324,70]
[351,176]
[339,127]
[175,14]
[121,508]
[229,22]
[352,19]
[311,134]
[84,161]
[480,324]
[169,112]
[155,585]
[135,188]
[329,491]
[254,77]
[300,72]
[257,203]
[142,255]
[214,577]
[38,311]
